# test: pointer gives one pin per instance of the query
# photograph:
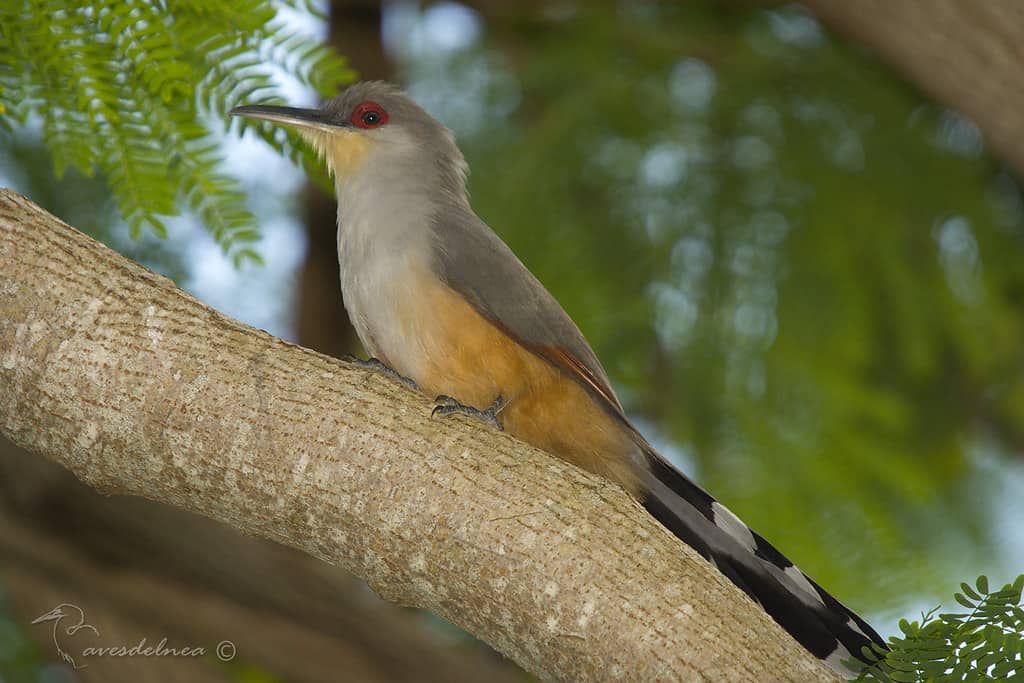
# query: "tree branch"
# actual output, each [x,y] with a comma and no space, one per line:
[139,389]
[966,55]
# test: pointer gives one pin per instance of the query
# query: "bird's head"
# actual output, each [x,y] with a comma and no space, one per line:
[374,130]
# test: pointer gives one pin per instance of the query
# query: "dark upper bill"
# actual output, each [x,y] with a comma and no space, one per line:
[314,118]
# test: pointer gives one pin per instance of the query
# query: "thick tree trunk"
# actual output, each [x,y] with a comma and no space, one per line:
[321,324]
[139,389]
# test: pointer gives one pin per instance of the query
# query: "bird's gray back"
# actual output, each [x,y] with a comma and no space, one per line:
[495,282]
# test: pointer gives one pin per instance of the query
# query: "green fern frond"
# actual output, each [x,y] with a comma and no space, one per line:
[134,90]
[985,643]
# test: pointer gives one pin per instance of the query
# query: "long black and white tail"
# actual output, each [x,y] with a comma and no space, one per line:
[819,622]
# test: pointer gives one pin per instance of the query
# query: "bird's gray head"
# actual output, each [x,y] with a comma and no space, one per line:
[373,129]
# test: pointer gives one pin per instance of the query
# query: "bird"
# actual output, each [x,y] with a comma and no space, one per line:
[438,299]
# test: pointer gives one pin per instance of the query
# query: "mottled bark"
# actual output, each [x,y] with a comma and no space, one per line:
[139,389]
[140,569]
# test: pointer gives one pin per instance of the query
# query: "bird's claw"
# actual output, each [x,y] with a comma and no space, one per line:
[446,405]
[379,366]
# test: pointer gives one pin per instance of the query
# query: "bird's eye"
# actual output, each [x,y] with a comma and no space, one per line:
[369,115]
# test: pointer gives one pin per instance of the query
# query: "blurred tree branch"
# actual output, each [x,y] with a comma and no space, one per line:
[139,389]
[965,54]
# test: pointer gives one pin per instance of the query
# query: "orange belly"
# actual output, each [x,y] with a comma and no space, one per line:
[463,355]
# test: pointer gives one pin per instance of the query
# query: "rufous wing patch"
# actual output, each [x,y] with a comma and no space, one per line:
[567,361]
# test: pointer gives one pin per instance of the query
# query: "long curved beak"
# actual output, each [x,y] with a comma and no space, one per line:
[292,116]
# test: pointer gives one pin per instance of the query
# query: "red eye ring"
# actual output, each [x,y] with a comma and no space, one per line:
[369,115]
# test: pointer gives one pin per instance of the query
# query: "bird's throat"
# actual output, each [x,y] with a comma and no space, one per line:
[344,151]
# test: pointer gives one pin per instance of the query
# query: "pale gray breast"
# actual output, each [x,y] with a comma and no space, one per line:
[383,248]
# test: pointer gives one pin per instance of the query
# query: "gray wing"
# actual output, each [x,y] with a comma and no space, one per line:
[497,284]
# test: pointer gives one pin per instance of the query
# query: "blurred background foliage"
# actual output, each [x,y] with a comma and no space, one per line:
[803,277]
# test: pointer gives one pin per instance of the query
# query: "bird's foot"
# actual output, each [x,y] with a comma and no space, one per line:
[446,405]
[379,366]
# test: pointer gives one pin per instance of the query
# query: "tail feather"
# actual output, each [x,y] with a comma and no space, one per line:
[819,622]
